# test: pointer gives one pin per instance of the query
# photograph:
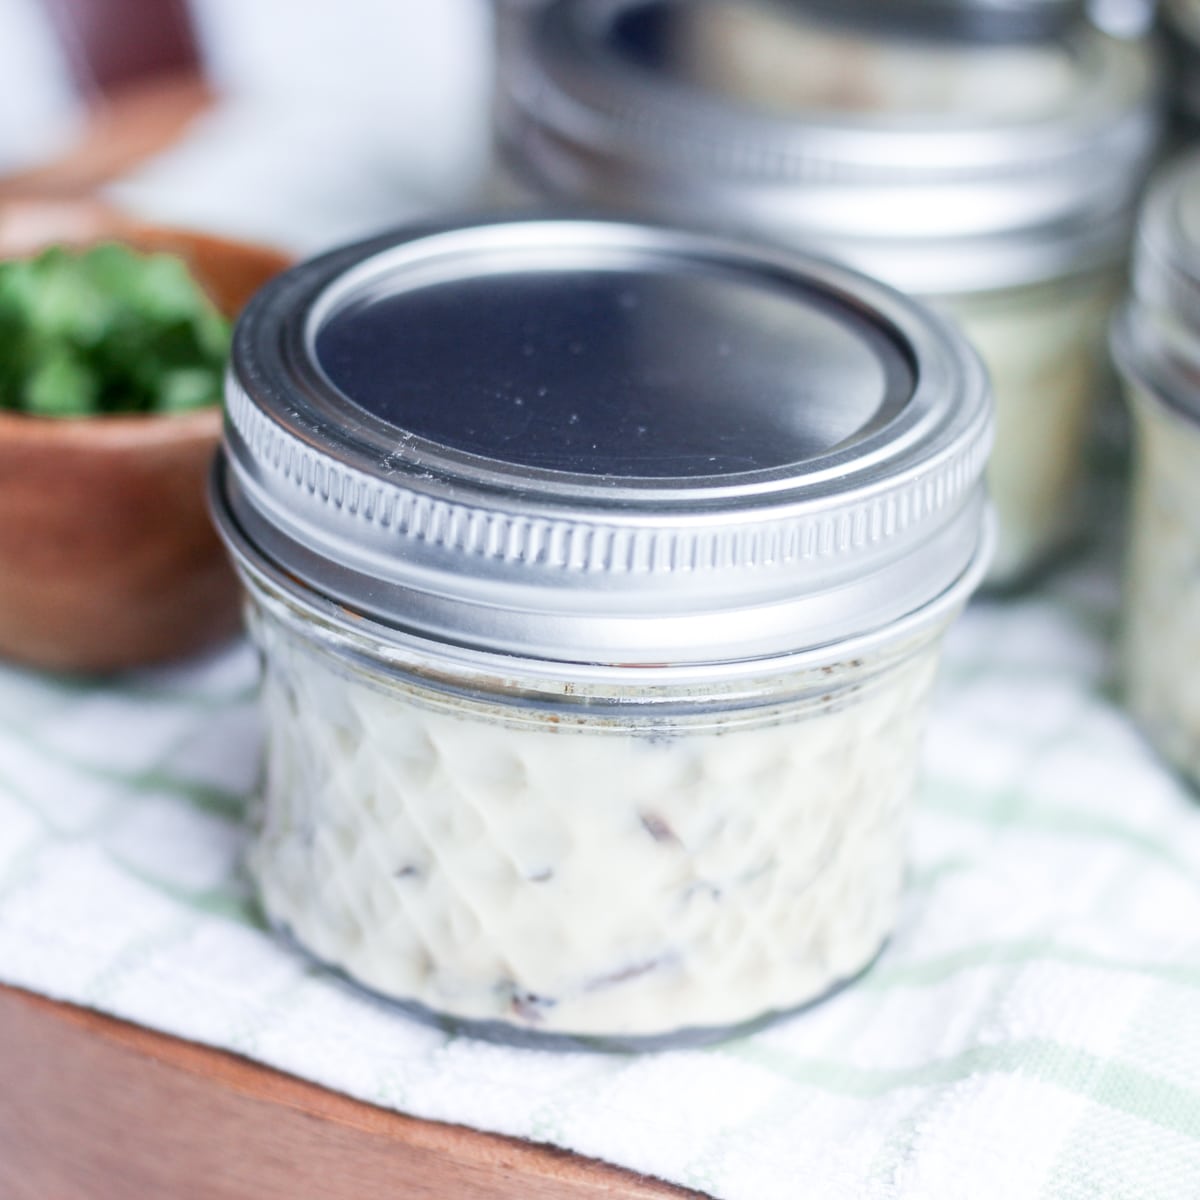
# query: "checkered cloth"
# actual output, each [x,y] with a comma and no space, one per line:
[1032,1030]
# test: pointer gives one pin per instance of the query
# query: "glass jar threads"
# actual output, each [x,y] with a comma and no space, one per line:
[599,572]
[1156,340]
[988,162]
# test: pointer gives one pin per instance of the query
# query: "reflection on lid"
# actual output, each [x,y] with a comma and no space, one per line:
[622,372]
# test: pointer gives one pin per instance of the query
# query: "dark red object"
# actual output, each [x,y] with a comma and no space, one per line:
[112,44]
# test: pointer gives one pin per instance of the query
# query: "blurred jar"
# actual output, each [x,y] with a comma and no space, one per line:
[1156,341]
[510,19]
[1180,23]
[511,22]
[989,167]
[600,572]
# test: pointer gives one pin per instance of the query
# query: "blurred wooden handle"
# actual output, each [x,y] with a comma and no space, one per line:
[97,1109]
[126,128]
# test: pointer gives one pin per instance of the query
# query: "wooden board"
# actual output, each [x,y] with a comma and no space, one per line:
[93,1108]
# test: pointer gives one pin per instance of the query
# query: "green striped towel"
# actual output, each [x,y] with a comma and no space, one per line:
[1033,1029]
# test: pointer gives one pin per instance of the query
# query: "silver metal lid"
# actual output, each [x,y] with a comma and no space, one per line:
[597,442]
[939,166]
[1157,334]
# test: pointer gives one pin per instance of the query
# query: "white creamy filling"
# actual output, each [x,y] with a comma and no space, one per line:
[1162,619]
[591,878]
[1044,349]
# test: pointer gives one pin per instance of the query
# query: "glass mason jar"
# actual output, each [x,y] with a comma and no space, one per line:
[599,572]
[990,167]
[1156,341]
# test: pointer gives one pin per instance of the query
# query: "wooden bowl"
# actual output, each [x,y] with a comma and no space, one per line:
[107,555]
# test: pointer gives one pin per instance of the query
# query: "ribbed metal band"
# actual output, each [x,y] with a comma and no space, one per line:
[303,484]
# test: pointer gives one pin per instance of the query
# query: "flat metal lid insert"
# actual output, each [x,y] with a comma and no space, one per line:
[604,442]
[612,370]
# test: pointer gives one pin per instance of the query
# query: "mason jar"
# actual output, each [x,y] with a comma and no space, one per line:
[599,572]
[984,157]
[1156,341]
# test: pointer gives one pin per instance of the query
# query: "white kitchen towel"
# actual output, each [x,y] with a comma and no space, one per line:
[1032,1030]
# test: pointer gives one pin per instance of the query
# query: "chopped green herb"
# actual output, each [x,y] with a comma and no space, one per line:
[107,330]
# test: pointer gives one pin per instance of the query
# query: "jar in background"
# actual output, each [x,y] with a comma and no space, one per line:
[1180,23]
[511,21]
[599,572]
[1156,341]
[995,178]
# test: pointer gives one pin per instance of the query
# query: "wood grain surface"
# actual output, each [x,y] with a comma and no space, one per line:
[97,1109]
